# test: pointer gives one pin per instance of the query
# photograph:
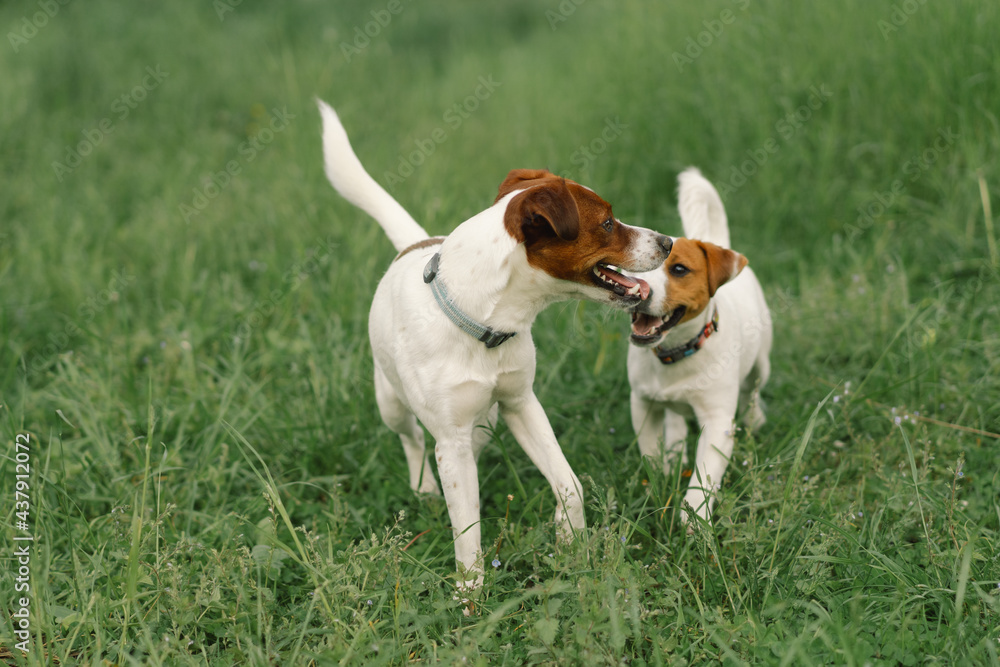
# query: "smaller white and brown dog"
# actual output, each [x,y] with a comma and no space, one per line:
[700,346]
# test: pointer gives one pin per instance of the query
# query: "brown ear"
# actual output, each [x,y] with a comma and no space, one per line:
[518,179]
[723,265]
[542,210]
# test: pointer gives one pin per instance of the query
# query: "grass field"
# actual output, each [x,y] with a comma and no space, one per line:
[183,346]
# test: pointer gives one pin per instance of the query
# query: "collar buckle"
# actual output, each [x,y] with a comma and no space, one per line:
[484,334]
[493,338]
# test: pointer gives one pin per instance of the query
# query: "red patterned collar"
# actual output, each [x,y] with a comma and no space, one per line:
[675,354]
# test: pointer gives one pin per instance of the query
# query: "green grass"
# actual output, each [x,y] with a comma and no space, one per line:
[211,483]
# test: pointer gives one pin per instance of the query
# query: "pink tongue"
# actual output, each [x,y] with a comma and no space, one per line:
[628,282]
[643,288]
[643,325]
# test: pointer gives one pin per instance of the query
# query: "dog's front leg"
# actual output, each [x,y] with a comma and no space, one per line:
[527,421]
[715,446]
[460,483]
[647,421]
[662,433]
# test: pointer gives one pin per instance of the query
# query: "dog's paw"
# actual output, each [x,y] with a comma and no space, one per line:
[467,592]
[755,417]
[695,511]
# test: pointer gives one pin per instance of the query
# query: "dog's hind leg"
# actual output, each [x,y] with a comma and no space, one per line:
[751,404]
[403,423]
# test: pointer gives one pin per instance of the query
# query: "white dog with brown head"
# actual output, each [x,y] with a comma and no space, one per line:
[450,324]
[700,347]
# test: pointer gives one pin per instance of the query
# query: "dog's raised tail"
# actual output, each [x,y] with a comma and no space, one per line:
[350,179]
[701,209]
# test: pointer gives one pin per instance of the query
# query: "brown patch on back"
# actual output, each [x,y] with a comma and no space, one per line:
[426,243]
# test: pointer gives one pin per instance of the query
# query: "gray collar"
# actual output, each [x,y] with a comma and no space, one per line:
[480,332]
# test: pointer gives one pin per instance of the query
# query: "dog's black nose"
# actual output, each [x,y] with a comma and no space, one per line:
[666,243]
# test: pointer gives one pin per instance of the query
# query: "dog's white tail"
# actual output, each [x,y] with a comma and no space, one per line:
[701,209]
[354,184]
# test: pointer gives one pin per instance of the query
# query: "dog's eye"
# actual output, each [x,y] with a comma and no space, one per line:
[679,270]
[608,224]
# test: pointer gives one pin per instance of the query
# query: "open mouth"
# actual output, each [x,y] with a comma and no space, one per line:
[622,285]
[647,328]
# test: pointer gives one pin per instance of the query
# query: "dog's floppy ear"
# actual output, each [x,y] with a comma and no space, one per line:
[543,210]
[723,265]
[518,179]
